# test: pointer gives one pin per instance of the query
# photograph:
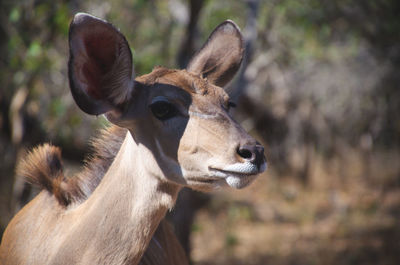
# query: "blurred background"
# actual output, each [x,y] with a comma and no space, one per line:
[319,87]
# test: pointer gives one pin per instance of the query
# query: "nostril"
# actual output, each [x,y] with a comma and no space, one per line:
[245,153]
[252,153]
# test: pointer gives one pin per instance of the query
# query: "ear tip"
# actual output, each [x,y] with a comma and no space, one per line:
[231,22]
[230,27]
[82,21]
[81,14]
[82,17]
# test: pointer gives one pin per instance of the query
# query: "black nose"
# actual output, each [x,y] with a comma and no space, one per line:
[252,153]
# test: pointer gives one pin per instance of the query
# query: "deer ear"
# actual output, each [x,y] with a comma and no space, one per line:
[220,57]
[100,69]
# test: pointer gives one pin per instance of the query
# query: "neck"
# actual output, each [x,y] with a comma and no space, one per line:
[123,212]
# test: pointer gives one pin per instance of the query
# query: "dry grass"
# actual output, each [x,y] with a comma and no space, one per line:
[348,214]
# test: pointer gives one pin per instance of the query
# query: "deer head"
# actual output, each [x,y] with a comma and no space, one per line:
[179,117]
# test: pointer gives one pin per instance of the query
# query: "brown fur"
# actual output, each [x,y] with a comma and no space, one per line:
[164,248]
[43,167]
[105,148]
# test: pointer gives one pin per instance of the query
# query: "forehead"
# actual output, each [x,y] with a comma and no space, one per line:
[185,81]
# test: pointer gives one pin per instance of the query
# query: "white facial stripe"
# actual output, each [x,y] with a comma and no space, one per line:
[202,115]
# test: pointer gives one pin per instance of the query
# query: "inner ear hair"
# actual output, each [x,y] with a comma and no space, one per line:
[100,65]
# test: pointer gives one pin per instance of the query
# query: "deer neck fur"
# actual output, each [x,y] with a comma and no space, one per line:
[134,174]
[112,226]
[130,201]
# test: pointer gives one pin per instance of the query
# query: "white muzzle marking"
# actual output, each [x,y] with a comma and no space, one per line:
[239,175]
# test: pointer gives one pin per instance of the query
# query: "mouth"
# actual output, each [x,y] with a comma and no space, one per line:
[225,173]
[239,169]
[205,180]
[238,175]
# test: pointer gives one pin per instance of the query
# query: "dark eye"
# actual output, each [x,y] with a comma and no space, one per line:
[231,105]
[163,110]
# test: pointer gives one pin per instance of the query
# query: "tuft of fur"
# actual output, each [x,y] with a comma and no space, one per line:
[43,167]
[105,148]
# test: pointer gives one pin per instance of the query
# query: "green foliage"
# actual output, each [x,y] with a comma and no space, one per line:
[217,11]
[74,120]
[231,241]
[196,228]
[15,14]
[62,19]
[57,108]
[238,212]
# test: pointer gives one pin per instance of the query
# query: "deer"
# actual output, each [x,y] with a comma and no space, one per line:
[170,129]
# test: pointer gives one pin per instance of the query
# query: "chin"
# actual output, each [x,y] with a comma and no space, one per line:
[206,184]
[240,182]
